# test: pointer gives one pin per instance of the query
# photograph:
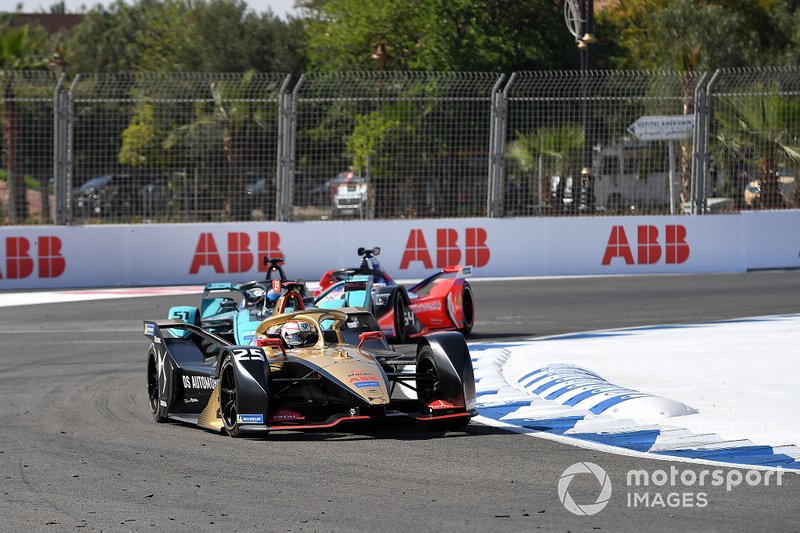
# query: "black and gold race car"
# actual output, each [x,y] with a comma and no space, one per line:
[311,368]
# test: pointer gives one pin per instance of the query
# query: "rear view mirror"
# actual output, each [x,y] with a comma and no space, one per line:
[271,341]
[369,336]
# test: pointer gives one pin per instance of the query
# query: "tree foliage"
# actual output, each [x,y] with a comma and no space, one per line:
[465,35]
[694,34]
[184,35]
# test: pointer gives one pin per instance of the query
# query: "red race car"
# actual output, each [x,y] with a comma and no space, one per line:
[442,301]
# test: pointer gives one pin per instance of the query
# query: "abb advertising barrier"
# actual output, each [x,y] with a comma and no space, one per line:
[188,254]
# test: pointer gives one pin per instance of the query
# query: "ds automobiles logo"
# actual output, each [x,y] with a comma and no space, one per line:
[588,509]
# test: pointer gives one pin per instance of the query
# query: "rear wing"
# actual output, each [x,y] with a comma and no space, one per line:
[154,330]
[460,272]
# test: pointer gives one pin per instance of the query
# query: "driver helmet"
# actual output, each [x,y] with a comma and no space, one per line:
[296,334]
[272,295]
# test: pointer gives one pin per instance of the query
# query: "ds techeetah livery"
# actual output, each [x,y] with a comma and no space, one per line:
[313,368]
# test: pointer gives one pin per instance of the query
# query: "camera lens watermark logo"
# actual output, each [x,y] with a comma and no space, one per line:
[588,509]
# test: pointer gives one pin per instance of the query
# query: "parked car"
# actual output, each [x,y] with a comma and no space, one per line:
[120,195]
[260,196]
[350,195]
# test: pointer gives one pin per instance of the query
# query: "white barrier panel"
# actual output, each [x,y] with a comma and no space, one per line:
[119,255]
[772,239]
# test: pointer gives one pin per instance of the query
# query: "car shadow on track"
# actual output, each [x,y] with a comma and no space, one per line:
[386,430]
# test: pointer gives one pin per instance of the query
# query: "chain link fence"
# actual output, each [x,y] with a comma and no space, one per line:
[573,145]
[173,147]
[26,137]
[754,137]
[392,144]
[145,147]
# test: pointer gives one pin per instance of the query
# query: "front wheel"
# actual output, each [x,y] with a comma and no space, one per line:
[227,399]
[429,388]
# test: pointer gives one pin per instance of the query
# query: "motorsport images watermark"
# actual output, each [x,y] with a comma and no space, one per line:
[676,488]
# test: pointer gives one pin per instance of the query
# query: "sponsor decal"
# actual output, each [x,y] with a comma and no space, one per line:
[47,263]
[649,250]
[190,400]
[199,382]
[250,419]
[284,415]
[162,403]
[475,251]
[240,257]
[427,307]
[149,329]
[157,340]
[363,384]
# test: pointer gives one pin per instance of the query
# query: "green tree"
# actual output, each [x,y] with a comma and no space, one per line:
[652,34]
[555,150]
[459,35]
[20,49]
[231,123]
[761,126]
[186,36]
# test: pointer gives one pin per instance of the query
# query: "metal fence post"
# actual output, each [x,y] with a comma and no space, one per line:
[60,152]
[285,170]
[700,148]
[497,137]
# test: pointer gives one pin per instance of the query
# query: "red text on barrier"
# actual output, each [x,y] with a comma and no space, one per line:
[240,256]
[475,252]
[20,263]
[648,246]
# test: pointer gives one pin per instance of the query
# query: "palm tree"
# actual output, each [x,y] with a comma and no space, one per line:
[760,125]
[239,107]
[562,144]
[18,47]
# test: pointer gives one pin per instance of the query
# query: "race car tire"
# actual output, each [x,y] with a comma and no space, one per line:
[399,307]
[445,361]
[467,310]
[227,398]
[155,384]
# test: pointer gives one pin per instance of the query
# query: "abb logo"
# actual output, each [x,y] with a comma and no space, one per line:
[448,251]
[648,247]
[240,257]
[49,262]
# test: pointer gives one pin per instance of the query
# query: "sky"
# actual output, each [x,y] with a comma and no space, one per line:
[279,7]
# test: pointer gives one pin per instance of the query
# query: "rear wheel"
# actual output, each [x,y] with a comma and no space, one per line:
[467,310]
[155,384]
[227,399]
[400,334]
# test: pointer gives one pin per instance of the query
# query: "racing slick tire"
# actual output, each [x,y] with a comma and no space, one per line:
[228,406]
[467,310]
[444,360]
[399,306]
[155,384]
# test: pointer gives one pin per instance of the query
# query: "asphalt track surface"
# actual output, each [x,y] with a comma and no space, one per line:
[79,449]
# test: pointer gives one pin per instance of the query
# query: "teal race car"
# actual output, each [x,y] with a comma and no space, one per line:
[233,311]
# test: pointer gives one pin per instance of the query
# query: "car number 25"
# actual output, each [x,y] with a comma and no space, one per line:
[248,354]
